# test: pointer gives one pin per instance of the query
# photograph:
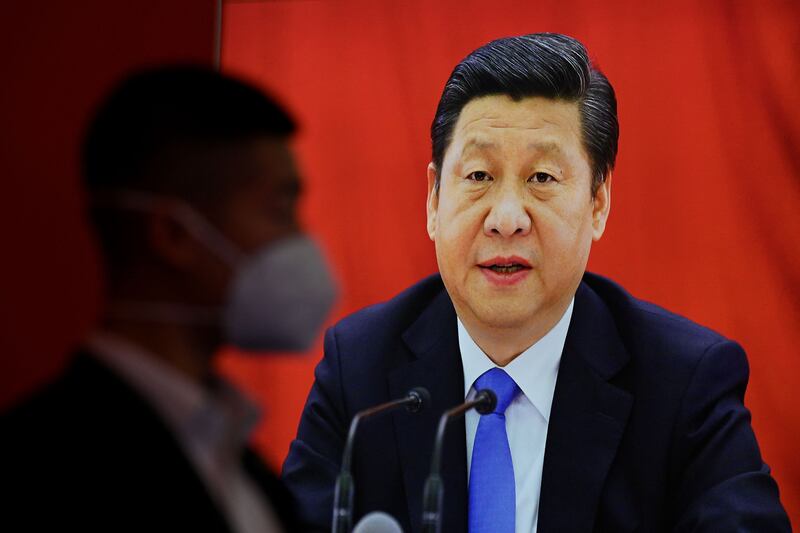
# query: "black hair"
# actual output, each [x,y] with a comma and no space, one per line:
[171,109]
[550,65]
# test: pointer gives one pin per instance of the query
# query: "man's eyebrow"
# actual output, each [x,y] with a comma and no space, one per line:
[545,147]
[478,144]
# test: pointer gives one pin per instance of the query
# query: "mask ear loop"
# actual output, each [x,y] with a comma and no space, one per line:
[195,223]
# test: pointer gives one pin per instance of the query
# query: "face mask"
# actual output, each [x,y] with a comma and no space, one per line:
[277,300]
[279,297]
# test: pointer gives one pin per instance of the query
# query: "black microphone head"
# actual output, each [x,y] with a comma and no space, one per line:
[378,522]
[488,401]
[421,398]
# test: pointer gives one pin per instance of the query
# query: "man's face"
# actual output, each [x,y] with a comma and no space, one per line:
[513,219]
[260,205]
[257,208]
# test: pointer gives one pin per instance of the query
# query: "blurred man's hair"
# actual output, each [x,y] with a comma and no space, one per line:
[159,115]
[168,131]
[540,64]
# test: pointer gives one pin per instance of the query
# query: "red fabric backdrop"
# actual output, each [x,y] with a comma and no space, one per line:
[704,220]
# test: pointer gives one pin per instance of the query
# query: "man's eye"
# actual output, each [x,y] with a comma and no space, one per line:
[541,177]
[479,175]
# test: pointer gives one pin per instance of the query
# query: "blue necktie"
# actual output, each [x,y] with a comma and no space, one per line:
[492,496]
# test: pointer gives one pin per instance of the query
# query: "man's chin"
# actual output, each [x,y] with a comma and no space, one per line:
[505,317]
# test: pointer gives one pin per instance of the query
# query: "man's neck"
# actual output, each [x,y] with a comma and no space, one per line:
[503,344]
[187,350]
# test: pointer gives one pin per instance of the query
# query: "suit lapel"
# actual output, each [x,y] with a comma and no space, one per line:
[587,418]
[433,340]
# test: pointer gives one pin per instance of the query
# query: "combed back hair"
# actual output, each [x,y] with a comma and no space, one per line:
[169,131]
[549,65]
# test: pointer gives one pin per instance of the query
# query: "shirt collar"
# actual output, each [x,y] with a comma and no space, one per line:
[535,370]
[213,418]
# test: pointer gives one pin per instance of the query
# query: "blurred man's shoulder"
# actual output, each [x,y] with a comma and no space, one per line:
[78,412]
[54,433]
[52,400]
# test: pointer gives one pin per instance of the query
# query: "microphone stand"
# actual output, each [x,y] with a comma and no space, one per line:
[484,402]
[414,401]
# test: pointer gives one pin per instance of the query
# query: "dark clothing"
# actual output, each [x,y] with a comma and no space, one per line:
[648,431]
[89,454]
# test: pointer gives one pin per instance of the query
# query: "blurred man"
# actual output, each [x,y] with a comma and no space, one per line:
[193,189]
[613,414]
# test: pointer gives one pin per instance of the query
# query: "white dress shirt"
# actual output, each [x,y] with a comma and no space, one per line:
[211,427]
[535,371]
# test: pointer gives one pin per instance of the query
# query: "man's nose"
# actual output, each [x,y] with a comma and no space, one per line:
[507,215]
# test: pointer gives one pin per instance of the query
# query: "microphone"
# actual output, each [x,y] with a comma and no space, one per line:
[378,522]
[413,401]
[484,402]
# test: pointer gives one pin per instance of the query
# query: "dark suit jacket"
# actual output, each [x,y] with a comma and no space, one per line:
[647,432]
[89,454]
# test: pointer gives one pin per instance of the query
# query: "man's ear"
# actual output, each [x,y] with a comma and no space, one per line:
[169,240]
[433,200]
[601,207]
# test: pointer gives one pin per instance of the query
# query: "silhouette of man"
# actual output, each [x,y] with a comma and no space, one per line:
[193,190]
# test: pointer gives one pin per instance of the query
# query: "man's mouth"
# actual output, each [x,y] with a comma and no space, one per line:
[505,265]
[506,269]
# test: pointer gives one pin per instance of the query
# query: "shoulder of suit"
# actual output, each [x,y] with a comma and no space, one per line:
[86,398]
[643,327]
[395,315]
[50,399]
[648,328]
[51,424]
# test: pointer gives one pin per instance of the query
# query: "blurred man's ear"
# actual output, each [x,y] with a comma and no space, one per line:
[602,206]
[169,240]
[433,201]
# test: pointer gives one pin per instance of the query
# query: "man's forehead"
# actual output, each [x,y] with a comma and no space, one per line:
[481,143]
[484,121]
[502,110]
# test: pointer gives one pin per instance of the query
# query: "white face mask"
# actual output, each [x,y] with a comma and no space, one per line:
[279,297]
[277,300]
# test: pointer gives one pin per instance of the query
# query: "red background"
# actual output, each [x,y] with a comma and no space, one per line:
[704,218]
[59,58]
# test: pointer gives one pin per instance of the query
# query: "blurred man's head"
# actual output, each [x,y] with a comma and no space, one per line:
[188,134]
[524,141]
[192,183]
